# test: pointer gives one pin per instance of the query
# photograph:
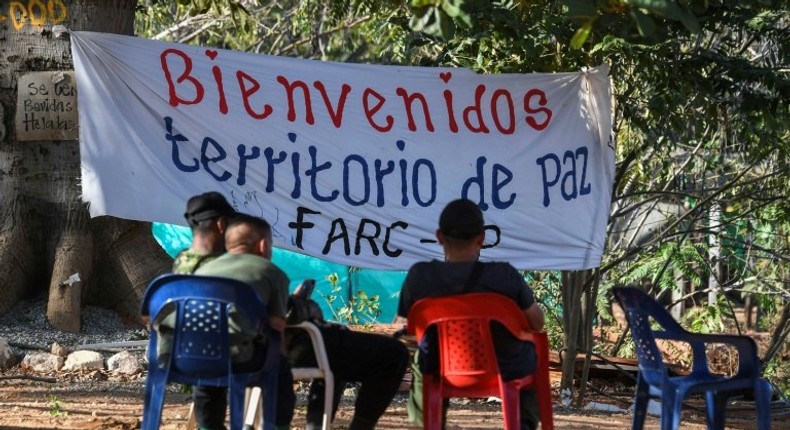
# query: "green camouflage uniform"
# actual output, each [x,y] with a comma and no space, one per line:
[185,263]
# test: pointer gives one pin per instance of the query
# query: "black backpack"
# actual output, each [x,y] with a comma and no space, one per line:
[301,308]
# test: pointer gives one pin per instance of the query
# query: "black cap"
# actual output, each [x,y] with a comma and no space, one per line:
[461,219]
[207,206]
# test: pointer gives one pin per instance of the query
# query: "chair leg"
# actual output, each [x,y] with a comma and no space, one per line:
[431,404]
[641,400]
[545,409]
[237,394]
[671,407]
[270,400]
[191,421]
[252,408]
[715,410]
[329,394]
[154,403]
[762,398]
[511,410]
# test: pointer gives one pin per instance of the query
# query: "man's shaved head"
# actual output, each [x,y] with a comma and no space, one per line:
[245,231]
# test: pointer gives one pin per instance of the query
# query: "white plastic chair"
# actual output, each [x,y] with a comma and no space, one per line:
[253,416]
[322,371]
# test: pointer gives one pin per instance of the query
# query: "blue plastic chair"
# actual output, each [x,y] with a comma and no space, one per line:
[201,353]
[653,380]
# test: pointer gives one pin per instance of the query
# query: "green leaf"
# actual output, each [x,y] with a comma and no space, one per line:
[670,10]
[581,35]
[608,43]
[689,21]
[423,19]
[452,8]
[446,25]
[644,23]
[423,3]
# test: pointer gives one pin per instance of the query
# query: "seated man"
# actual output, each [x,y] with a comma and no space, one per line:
[248,241]
[207,215]
[461,234]
[377,362]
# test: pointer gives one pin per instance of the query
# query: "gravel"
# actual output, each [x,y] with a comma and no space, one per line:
[25,327]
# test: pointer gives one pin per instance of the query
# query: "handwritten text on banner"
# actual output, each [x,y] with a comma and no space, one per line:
[351,163]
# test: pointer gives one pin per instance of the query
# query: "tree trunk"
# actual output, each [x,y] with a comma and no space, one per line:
[578,311]
[590,285]
[571,319]
[47,239]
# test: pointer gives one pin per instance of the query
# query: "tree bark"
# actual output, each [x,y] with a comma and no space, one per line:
[47,238]
[572,283]
[578,311]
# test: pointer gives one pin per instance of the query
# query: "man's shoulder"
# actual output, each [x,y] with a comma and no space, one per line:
[500,266]
[501,272]
[423,266]
[242,263]
[274,271]
[188,260]
[228,259]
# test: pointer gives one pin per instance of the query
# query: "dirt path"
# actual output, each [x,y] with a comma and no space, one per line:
[94,402]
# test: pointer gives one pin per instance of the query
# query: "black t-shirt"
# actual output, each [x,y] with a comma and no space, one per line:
[439,278]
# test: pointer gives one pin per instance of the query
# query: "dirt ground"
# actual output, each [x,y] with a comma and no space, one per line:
[97,401]
[94,400]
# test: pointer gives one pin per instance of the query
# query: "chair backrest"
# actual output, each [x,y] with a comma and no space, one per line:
[463,324]
[639,309]
[203,304]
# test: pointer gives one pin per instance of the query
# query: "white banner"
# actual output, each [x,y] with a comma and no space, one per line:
[350,163]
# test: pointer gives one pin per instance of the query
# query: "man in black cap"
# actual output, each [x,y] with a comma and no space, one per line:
[461,234]
[207,216]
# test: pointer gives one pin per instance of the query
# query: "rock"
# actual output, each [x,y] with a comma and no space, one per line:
[59,349]
[124,362]
[350,392]
[84,360]
[7,356]
[43,362]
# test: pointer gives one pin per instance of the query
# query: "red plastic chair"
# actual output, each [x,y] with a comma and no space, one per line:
[467,362]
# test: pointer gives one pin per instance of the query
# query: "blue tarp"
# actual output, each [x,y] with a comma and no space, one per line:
[385,284]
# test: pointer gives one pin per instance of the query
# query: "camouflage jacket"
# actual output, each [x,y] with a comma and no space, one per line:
[187,261]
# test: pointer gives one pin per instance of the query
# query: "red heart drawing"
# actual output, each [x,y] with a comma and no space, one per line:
[210,53]
[445,76]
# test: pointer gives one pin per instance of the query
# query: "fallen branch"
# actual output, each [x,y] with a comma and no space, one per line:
[29,346]
[30,377]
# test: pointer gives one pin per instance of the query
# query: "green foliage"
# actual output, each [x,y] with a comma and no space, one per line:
[360,309]
[663,266]
[704,319]
[701,117]
[546,288]
[56,407]
[778,371]
[339,30]
[648,20]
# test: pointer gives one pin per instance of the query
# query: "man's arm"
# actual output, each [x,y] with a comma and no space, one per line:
[277,323]
[534,316]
